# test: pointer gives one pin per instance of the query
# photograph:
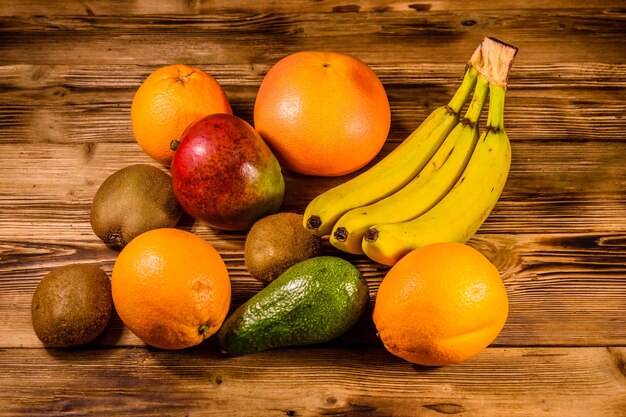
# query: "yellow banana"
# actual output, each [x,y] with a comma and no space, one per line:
[395,170]
[432,183]
[464,209]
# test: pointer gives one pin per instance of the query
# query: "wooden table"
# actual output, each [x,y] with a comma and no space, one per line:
[68,72]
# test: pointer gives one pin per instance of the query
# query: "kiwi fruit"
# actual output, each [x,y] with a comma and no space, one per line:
[71,305]
[277,242]
[131,201]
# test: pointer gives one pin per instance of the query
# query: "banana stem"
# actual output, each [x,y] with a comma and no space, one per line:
[477,104]
[498,59]
[495,119]
[463,92]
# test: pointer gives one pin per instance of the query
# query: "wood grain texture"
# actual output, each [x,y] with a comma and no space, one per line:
[195,7]
[377,38]
[311,382]
[68,73]
[92,103]
[565,298]
[569,174]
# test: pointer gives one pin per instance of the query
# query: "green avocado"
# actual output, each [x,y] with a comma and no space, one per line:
[314,301]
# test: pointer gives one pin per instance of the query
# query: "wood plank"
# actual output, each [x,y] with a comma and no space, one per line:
[140,7]
[572,174]
[563,289]
[19,79]
[92,103]
[310,382]
[375,37]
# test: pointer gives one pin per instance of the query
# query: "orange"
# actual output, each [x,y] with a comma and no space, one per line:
[168,101]
[440,304]
[322,113]
[170,288]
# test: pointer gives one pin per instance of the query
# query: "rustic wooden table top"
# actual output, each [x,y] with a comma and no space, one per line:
[68,72]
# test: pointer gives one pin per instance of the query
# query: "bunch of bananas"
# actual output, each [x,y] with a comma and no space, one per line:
[438,185]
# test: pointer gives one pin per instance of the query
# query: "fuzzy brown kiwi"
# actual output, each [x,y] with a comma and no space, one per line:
[71,305]
[277,242]
[131,201]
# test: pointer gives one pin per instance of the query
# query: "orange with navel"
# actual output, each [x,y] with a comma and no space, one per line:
[168,101]
[322,113]
[440,304]
[171,288]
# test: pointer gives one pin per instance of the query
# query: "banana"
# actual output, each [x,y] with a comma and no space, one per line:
[432,183]
[464,209]
[395,170]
